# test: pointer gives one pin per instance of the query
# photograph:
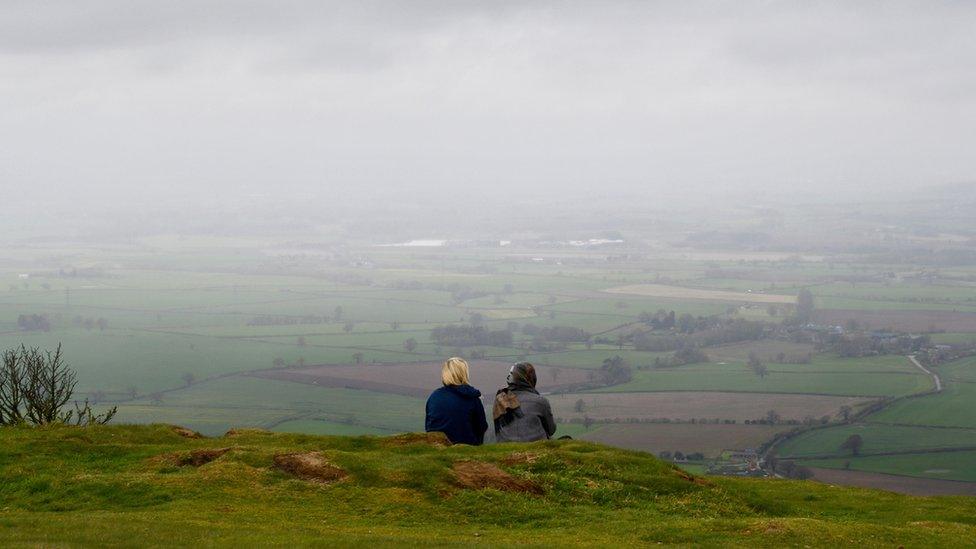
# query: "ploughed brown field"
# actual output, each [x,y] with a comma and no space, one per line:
[684,437]
[905,321]
[895,483]
[697,405]
[419,378]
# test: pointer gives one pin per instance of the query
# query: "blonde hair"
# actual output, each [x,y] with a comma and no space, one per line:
[454,372]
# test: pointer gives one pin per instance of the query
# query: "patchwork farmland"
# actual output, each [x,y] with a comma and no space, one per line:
[334,346]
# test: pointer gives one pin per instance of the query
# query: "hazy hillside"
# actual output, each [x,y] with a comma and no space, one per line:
[124,485]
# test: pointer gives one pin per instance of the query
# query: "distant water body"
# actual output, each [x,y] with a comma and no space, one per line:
[431,243]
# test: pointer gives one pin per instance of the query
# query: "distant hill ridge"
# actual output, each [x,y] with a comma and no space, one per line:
[162,485]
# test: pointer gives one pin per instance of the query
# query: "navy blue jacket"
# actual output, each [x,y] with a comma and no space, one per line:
[456,411]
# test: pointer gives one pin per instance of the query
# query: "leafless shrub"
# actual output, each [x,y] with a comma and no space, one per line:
[36,387]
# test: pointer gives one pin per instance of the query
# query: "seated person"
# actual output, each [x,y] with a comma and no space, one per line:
[521,414]
[455,409]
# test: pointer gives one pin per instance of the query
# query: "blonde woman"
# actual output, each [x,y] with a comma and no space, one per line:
[455,409]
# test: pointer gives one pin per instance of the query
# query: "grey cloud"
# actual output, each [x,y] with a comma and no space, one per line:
[618,94]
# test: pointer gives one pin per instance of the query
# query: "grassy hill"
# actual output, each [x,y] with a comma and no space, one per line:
[132,485]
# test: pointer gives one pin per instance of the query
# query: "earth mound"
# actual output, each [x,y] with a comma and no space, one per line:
[309,466]
[478,475]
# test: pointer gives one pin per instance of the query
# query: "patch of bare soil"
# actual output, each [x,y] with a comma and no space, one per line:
[309,466]
[478,475]
[196,458]
[185,433]
[438,440]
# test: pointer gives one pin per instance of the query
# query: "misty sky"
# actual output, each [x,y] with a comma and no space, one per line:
[145,97]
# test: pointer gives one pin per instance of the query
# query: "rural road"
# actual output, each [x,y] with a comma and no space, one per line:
[935,376]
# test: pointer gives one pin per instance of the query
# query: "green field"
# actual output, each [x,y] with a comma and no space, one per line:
[945,465]
[216,406]
[216,308]
[954,407]
[878,438]
[319,427]
[928,424]
[738,377]
[109,486]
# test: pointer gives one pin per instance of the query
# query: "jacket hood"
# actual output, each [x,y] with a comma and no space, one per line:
[465,391]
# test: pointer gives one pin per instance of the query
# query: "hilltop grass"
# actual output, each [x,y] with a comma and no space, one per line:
[121,485]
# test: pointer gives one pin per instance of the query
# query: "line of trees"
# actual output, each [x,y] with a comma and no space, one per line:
[33,323]
[685,355]
[36,387]
[717,332]
[468,335]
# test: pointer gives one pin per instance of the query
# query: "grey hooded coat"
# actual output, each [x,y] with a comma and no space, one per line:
[530,422]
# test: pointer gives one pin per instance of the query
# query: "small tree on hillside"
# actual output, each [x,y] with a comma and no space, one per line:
[410,344]
[580,406]
[854,444]
[358,357]
[11,389]
[36,386]
[845,412]
[587,422]
[188,378]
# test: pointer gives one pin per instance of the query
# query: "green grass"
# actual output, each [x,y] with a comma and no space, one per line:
[320,427]
[959,371]
[911,292]
[112,486]
[937,421]
[115,359]
[781,379]
[877,438]
[944,465]
[955,406]
[954,338]
[879,304]
[215,406]
[693,468]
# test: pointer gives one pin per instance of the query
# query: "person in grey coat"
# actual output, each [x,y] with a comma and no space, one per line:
[521,414]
